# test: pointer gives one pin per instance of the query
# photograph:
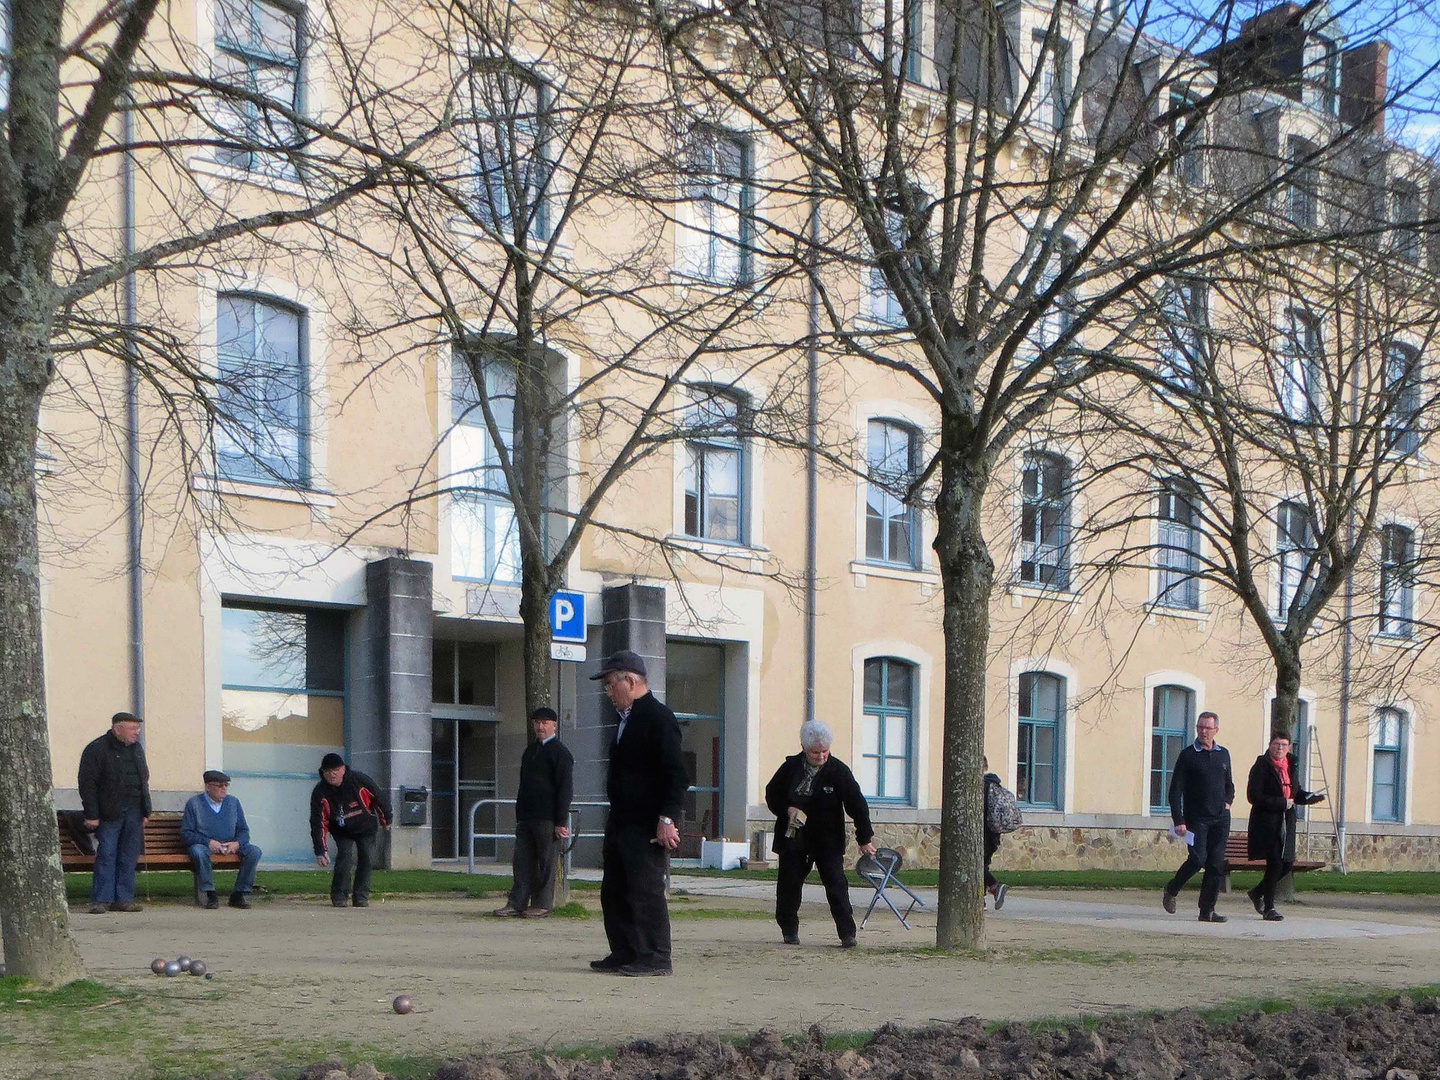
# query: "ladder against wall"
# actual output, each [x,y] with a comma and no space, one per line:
[1320,817]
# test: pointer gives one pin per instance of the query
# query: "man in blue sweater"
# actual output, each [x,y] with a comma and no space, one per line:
[214,824]
[1201,791]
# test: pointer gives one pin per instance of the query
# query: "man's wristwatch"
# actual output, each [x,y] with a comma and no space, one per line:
[667,821]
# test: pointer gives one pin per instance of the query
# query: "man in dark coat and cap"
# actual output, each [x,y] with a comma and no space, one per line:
[1274,794]
[114,785]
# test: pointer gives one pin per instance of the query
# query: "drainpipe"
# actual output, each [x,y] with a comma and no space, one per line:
[812,425]
[132,418]
[1347,630]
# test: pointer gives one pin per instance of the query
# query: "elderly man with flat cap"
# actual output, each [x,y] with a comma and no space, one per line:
[646,786]
[114,786]
[214,824]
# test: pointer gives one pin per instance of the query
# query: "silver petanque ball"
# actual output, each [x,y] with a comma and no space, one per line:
[402,1005]
[158,965]
[197,967]
[183,961]
[172,967]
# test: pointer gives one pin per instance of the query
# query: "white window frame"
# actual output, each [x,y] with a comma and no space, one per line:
[1153,681]
[920,735]
[701,253]
[1288,569]
[1301,360]
[1171,488]
[262,161]
[1047,665]
[1404,631]
[492,203]
[1066,560]
[1405,772]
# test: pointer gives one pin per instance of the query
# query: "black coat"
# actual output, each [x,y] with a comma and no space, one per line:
[647,778]
[1271,833]
[102,778]
[357,798]
[833,794]
[547,783]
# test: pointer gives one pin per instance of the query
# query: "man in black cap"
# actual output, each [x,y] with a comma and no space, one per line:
[115,791]
[646,786]
[542,814]
[214,824]
[348,804]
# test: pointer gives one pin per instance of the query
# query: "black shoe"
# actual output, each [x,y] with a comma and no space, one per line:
[1272,916]
[641,971]
[357,902]
[212,901]
[791,939]
[1256,899]
[237,900]
[1212,916]
[848,942]
[609,963]
[1167,901]
[343,901]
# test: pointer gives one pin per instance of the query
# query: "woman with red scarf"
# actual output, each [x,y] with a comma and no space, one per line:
[1273,795]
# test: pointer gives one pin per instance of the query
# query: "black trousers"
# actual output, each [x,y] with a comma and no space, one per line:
[992,841]
[632,896]
[534,865]
[1275,869]
[357,855]
[1207,853]
[794,869]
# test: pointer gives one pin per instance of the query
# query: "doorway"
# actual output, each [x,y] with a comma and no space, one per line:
[463,764]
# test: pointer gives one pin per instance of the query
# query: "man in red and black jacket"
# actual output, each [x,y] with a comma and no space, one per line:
[348,805]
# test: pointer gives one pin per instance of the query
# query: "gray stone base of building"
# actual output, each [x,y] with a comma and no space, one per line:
[1148,847]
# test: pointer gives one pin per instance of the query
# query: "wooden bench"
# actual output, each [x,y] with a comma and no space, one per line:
[1237,857]
[165,848]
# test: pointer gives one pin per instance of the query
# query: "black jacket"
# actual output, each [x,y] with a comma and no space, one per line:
[1271,833]
[833,793]
[1203,786]
[102,778]
[357,799]
[546,782]
[647,778]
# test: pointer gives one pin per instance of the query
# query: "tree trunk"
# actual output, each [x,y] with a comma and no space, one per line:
[967,573]
[34,917]
[1285,710]
[535,623]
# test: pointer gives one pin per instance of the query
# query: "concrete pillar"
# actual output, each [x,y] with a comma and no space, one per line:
[391,739]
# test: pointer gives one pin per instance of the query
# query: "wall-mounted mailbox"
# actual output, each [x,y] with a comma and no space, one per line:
[414,805]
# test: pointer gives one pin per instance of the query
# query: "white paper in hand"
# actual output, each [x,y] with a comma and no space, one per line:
[1188,837]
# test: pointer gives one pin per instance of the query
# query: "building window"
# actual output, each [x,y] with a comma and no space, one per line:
[886,730]
[1045,521]
[1300,747]
[891,524]
[1172,722]
[259,46]
[1037,757]
[282,708]
[263,424]
[1298,383]
[1402,399]
[1182,346]
[718,243]
[484,536]
[714,468]
[1397,581]
[1059,314]
[1302,199]
[1188,164]
[1406,228]
[884,304]
[1179,545]
[1388,787]
[4,54]
[914,39]
[1295,551]
[511,143]
[1330,77]
[1052,96]
[695,690]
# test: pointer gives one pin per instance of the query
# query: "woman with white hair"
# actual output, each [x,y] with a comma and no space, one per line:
[810,795]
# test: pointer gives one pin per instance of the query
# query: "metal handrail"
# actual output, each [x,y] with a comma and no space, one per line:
[601,804]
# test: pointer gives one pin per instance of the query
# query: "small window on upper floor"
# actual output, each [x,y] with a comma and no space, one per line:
[1298,382]
[1397,582]
[1052,73]
[1183,332]
[1178,543]
[1329,77]
[1302,199]
[1296,557]
[484,535]
[262,430]
[510,106]
[716,244]
[891,522]
[1401,401]
[1187,135]
[1045,521]
[1059,314]
[259,49]
[1405,224]
[714,467]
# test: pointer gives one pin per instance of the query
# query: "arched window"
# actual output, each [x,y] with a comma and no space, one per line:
[1172,722]
[891,458]
[1041,735]
[263,427]
[1387,791]
[887,730]
[1045,521]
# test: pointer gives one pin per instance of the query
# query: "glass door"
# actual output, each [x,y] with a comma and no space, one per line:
[463,769]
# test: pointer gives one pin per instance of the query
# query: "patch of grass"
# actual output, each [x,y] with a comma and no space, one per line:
[179,885]
[84,993]
[720,913]
[1070,956]
[572,910]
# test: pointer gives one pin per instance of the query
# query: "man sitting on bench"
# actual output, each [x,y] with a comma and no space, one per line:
[214,824]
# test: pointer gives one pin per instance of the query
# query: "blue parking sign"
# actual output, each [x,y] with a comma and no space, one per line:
[567,617]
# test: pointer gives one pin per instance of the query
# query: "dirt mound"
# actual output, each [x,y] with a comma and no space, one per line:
[1395,1040]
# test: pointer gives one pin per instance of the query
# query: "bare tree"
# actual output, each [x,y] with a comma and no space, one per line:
[1013,176]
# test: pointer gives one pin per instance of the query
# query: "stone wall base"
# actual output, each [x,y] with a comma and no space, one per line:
[1091,848]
